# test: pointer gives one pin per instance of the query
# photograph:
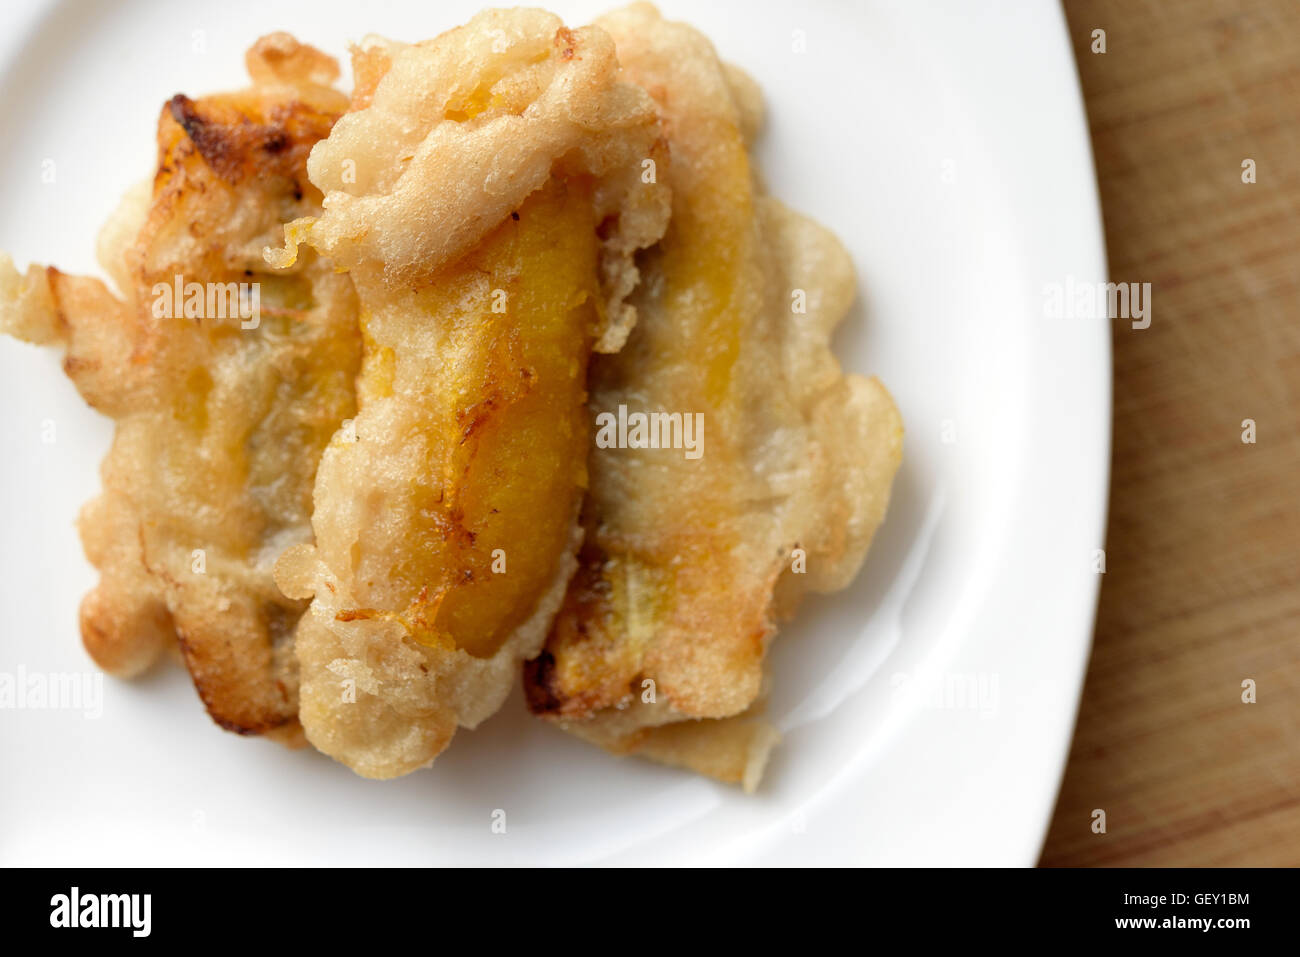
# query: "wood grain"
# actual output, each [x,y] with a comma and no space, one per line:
[1202,588]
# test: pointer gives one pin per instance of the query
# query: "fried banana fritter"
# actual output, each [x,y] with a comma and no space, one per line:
[358,508]
[487,196]
[221,412]
[687,563]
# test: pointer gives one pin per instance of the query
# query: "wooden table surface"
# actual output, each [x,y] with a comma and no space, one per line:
[1202,583]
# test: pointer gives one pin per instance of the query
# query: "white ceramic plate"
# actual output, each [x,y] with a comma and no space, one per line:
[946,144]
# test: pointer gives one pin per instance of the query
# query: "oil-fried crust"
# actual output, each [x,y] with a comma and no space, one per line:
[688,564]
[219,426]
[732,750]
[515,156]
[488,201]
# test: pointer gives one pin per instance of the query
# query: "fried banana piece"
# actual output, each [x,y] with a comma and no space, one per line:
[221,412]
[688,562]
[487,198]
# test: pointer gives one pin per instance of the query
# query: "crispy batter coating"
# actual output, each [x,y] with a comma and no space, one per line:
[687,564]
[480,216]
[487,198]
[219,426]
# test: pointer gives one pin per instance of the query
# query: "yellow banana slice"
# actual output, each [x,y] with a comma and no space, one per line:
[689,559]
[487,197]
